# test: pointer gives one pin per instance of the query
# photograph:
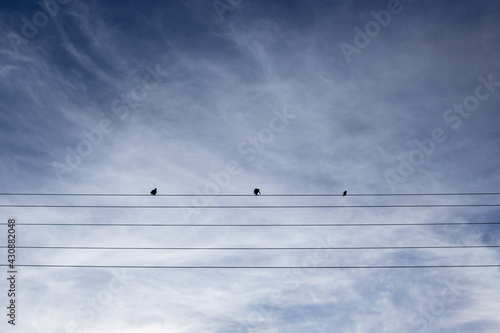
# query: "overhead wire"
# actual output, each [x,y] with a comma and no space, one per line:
[254,225]
[246,206]
[257,248]
[248,195]
[254,267]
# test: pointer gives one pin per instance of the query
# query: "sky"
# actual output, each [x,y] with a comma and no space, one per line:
[221,97]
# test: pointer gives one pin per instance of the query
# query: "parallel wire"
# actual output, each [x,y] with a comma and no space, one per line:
[248,206]
[254,267]
[253,225]
[246,195]
[258,248]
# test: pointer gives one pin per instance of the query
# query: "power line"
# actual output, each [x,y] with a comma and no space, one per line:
[254,225]
[257,248]
[254,267]
[248,195]
[249,206]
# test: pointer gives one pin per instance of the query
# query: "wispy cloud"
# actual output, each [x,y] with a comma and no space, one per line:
[194,99]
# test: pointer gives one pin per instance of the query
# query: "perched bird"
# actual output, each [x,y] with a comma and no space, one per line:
[345,193]
[256,191]
[153,192]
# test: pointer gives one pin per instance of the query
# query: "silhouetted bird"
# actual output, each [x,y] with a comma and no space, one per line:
[345,193]
[256,191]
[153,192]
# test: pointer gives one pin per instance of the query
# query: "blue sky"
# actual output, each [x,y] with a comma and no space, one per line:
[220,97]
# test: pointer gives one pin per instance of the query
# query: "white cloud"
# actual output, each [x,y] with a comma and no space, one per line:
[218,106]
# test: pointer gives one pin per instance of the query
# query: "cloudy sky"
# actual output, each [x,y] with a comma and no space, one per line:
[220,97]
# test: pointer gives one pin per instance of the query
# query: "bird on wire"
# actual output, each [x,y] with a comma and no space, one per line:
[153,192]
[345,193]
[256,191]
